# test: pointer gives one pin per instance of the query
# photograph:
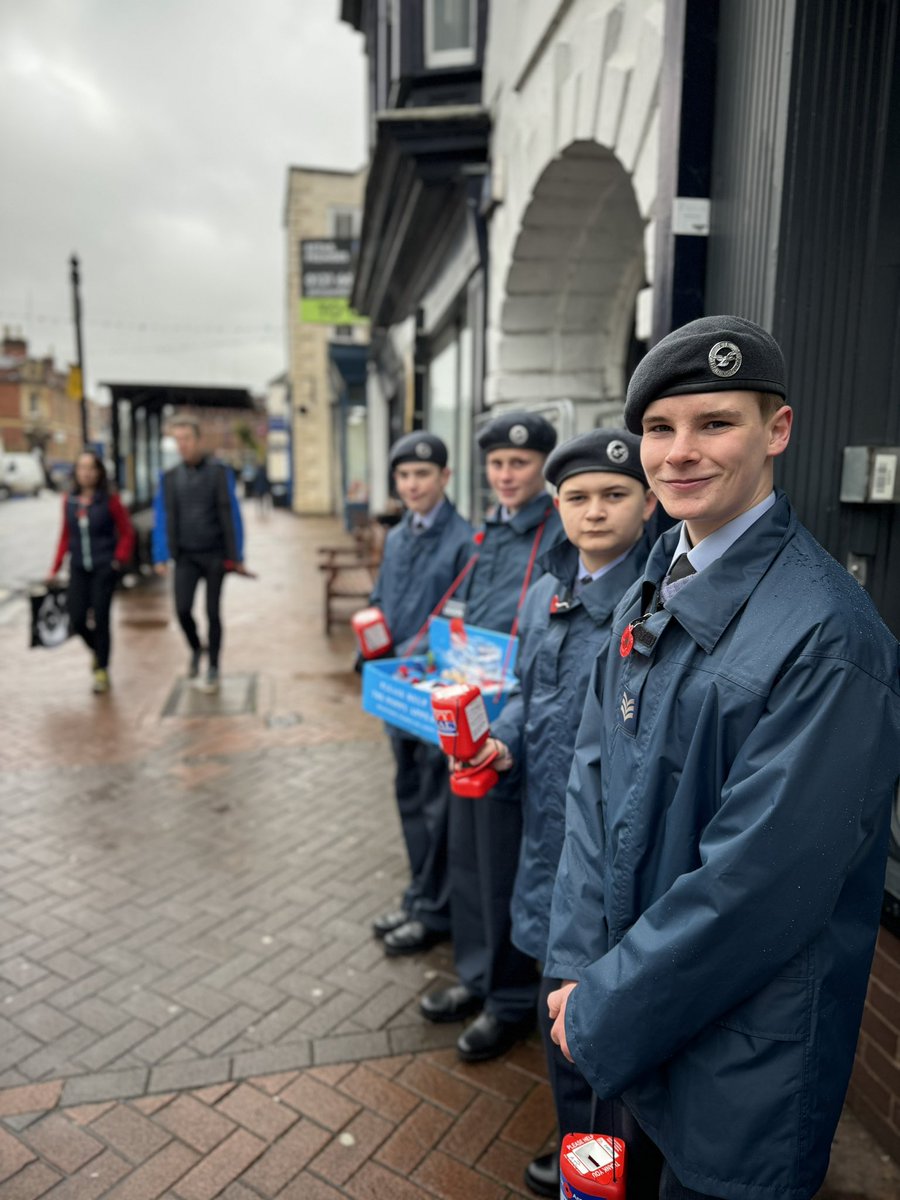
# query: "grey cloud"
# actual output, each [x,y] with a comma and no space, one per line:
[154,140]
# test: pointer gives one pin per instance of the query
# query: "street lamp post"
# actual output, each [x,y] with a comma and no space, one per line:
[76,303]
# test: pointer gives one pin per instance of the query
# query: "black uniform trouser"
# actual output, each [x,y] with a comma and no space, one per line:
[647,1174]
[189,570]
[92,591]
[421,789]
[579,1110]
[484,854]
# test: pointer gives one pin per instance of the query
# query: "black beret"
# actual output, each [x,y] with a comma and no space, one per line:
[518,431]
[419,447]
[712,354]
[599,450]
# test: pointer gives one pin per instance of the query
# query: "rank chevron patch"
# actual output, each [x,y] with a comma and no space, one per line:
[628,711]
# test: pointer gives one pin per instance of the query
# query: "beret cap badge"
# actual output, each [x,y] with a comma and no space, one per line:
[518,435]
[419,446]
[611,450]
[725,359]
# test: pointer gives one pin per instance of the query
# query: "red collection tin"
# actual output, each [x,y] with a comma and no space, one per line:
[372,633]
[591,1165]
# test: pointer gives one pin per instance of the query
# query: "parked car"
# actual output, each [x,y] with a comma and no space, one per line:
[20,475]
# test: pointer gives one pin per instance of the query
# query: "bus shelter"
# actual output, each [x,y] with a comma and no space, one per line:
[139,412]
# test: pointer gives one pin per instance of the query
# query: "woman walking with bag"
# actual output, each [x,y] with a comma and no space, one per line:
[98,536]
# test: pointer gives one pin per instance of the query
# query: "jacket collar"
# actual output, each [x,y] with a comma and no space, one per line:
[526,518]
[600,596]
[437,526]
[708,604]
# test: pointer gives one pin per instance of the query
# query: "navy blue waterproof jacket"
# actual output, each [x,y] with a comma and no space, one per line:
[491,592]
[108,538]
[418,568]
[559,638]
[719,892]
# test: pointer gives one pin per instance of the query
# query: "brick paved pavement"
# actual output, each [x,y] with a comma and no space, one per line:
[191,1003]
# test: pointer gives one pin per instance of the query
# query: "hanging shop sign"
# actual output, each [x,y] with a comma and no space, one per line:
[326,281]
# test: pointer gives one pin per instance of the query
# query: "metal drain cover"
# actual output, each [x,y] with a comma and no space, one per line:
[236,697]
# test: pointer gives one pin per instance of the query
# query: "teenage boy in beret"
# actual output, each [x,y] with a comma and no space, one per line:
[423,554]
[603,500]
[494,976]
[727,814]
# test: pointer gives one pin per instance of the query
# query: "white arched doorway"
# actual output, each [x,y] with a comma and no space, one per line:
[565,319]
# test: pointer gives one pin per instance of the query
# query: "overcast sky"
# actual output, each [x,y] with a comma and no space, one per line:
[152,138]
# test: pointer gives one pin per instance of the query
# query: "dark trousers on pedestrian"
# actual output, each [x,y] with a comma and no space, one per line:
[484,843]
[189,570]
[422,795]
[92,591]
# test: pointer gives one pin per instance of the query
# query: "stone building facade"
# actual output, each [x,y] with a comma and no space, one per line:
[318,204]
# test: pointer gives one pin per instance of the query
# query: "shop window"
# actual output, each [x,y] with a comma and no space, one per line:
[356,486]
[450,33]
[450,402]
[443,386]
[465,408]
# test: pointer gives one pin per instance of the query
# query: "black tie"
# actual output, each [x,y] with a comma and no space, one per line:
[682,567]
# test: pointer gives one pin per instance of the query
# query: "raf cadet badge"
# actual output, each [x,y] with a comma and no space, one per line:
[725,359]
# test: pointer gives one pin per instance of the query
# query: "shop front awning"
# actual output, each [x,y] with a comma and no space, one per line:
[349,360]
[422,169]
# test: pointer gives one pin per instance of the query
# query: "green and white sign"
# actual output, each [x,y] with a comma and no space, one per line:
[326,281]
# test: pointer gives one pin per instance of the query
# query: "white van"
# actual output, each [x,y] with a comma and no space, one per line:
[20,475]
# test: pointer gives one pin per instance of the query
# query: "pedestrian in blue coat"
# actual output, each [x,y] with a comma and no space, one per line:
[603,500]
[494,976]
[718,896]
[423,555]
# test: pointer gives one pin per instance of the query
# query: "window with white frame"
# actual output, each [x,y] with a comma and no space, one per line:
[345,223]
[450,33]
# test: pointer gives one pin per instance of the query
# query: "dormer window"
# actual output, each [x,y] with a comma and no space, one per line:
[450,33]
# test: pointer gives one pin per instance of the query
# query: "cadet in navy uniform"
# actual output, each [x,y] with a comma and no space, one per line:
[718,896]
[423,555]
[485,833]
[604,502]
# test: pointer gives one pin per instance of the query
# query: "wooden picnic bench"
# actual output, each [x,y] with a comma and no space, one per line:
[350,570]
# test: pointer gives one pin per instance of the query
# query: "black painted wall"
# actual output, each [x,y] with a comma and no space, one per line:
[806,240]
